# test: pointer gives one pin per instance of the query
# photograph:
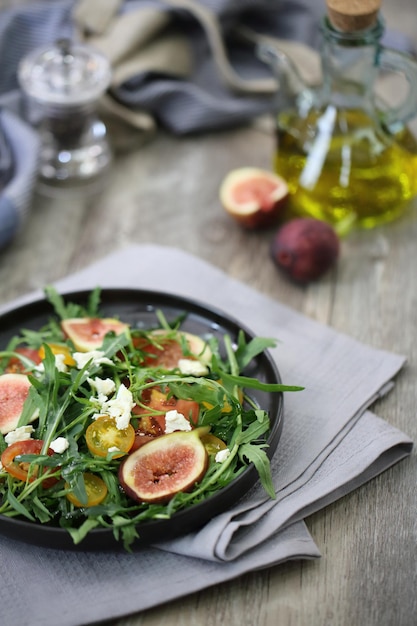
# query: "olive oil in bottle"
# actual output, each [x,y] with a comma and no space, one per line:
[342,168]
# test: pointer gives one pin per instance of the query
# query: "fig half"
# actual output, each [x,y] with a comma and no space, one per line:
[87,333]
[14,389]
[253,197]
[164,466]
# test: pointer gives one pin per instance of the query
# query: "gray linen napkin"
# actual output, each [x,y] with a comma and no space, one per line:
[330,445]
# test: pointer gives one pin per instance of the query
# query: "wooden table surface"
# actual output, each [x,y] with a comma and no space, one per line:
[167,192]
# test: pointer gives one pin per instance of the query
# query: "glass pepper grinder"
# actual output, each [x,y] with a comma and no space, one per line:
[348,156]
[63,84]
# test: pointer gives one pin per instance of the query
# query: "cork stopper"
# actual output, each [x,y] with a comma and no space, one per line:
[353,15]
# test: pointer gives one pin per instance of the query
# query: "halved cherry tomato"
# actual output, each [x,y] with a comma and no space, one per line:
[166,354]
[57,348]
[226,408]
[20,469]
[95,489]
[103,434]
[212,443]
[16,366]
[156,400]
[140,439]
[151,423]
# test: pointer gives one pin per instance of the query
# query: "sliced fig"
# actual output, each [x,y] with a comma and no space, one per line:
[164,466]
[14,389]
[87,333]
[253,197]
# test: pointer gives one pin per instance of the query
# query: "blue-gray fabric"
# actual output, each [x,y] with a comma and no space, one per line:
[17,189]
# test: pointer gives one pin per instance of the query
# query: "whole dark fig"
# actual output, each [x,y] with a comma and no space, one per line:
[305,248]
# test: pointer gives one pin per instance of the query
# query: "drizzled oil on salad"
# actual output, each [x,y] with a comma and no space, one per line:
[107,425]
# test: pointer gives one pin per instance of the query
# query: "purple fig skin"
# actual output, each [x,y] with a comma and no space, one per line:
[305,249]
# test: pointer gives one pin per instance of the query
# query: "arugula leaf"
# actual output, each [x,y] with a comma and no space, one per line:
[68,310]
[258,457]
[78,534]
[246,352]
[253,383]
[18,506]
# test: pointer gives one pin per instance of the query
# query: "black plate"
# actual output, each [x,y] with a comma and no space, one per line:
[138,308]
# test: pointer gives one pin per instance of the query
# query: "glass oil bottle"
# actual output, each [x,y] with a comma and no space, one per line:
[349,158]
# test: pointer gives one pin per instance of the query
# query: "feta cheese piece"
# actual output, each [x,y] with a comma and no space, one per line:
[59,445]
[59,363]
[176,421]
[20,434]
[95,356]
[120,407]
[105,387]
[192,367]
[222,455]
[113,449]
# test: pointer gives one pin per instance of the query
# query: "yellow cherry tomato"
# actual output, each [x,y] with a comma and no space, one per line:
[57,348]
[226,408]
[103,435]
[212,444]
[95,488]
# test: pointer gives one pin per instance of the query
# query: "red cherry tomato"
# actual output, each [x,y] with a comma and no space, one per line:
[16,366]
[156,400]
[151,423]
[20,469]
[166,353]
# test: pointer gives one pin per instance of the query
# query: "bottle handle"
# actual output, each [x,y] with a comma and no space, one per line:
[397,62]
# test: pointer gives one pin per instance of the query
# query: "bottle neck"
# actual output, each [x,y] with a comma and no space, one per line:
[350,64]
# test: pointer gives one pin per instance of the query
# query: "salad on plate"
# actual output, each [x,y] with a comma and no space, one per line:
[105,424]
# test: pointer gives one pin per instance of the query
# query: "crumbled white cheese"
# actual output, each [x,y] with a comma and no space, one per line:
[222,455]
[104,386]
[95,356]
[175,421]
[59,363]
[59,445]
[192,367]
[118,407]
[20,434]
[113,449]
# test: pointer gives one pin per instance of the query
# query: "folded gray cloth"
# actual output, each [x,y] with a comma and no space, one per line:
[176,61]
[330,445]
